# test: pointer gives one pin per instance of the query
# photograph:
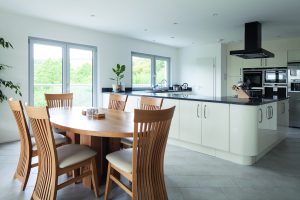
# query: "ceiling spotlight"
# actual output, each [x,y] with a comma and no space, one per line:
[145,29]
[175,23]
[172,37]
[220,40]
[153,40]
[215,14]
[92,15]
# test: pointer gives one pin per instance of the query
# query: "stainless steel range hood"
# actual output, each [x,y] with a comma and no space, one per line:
[252,43]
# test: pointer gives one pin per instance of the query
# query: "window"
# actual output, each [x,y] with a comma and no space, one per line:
[150,70]
[59,67]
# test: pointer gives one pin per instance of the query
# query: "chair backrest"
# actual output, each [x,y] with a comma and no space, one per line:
[59,100]
[42,131]
[151,129]
[148,103]
[117,102]
[25,138]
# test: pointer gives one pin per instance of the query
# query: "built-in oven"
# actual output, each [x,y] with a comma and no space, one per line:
[295,86]
[276,76]
[253,78]
[277,91]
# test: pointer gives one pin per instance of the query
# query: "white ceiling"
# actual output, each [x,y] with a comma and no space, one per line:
[196,23]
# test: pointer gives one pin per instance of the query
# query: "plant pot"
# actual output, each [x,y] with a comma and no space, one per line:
[116,88]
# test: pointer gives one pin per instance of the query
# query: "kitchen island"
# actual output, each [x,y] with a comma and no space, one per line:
[238,130]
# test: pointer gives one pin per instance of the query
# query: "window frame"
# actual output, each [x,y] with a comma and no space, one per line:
[153,69]
[66,46]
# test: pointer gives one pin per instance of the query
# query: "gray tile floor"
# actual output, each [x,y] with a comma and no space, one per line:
[191,175]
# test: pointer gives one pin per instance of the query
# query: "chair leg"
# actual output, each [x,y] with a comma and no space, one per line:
[95,177]
[108,182]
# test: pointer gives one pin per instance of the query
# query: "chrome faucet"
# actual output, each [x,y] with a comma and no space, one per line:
[162,82]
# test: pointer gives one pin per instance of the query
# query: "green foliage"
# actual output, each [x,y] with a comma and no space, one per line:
[3,83]
[141,72]
[118,70]
[48,79]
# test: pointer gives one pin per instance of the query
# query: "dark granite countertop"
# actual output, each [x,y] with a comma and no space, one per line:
[193,97]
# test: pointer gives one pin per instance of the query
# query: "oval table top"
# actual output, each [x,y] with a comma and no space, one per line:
[116,124]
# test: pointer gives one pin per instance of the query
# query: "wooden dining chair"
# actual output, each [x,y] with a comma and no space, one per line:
[28,146]
[147,103]
[117,102]
[59,100]
[54,162]
[143,164]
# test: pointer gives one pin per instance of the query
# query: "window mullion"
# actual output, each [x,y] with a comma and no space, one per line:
[66,69]
[153,71]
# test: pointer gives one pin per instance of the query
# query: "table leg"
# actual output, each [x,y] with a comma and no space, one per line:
[100,145]
[73,137]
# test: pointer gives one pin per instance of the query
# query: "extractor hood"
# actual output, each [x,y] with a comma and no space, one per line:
[252,43]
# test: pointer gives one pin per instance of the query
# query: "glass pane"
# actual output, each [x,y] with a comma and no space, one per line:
[161,67]
[47,71]
[141,72]
[81,76]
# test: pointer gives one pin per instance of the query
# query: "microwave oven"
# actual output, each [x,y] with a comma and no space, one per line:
[276,76]
[253,78]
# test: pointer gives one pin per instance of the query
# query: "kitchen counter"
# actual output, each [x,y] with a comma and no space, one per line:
[238,130]
[182,96]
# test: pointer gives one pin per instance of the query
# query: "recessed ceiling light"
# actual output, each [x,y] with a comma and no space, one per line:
[153,40]
[220,40]
[279,36]
[145,29]
[92,15]
[215,14]
[193,42]
[172,37]
[175,23]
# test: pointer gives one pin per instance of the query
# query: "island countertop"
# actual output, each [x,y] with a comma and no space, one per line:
[194,97]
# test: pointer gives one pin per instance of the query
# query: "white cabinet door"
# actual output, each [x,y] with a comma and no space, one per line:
[293,55]
[190,121]
[133,102]
[279,60]
[262,117]
[174,129]
[250,63]
[105,100]
[273,116]
[215,125]
[283,113]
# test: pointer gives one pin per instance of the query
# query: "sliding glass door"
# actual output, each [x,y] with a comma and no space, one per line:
[58,67]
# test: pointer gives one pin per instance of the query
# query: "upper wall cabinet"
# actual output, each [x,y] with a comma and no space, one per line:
[293,55]
[280,59]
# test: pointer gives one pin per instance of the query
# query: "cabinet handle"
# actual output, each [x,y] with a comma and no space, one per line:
[267,112]
[198,110]
[261,116]
[204,113]
[271,108]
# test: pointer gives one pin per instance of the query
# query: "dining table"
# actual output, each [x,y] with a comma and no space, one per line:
[100,134]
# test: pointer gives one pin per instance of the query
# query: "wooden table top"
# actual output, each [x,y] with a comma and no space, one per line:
[116,124]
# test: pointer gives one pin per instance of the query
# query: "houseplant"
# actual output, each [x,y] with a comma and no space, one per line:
[3,83]
[119,72]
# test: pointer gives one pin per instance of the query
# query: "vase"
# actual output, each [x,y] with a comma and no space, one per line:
[116,88]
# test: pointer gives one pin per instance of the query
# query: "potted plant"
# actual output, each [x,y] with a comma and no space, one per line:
[119,72]
[3,83]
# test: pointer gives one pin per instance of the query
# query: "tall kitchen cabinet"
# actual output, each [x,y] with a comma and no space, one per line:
[205,123]
[215,125]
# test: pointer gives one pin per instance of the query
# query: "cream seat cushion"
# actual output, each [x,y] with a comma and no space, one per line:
[58,138]
[127,141]
[71,154]
[121,159]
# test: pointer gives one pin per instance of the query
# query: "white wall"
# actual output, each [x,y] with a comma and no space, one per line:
[280,47]
[112,49]
[197,72]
